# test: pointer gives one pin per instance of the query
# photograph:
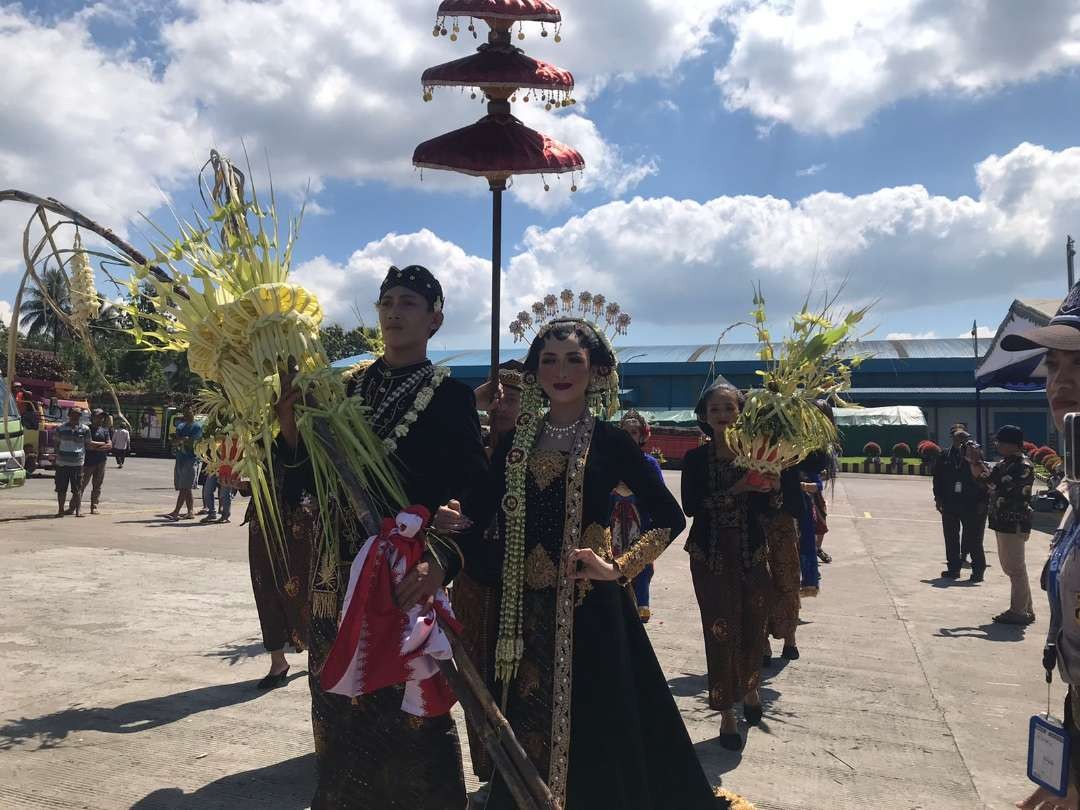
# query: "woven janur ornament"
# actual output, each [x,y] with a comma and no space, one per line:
[85,303]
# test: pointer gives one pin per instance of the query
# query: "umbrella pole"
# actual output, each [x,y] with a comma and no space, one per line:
[497,188]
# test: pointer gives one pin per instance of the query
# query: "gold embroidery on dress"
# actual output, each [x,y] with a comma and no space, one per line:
[540,571]
[564,614]
[648,547]
[324,590]
[546,467]
[598,538]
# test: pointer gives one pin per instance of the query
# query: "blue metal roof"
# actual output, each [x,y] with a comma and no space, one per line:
[881,350]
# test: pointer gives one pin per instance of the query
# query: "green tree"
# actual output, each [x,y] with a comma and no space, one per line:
[155,381]
[37,317]
[340,344]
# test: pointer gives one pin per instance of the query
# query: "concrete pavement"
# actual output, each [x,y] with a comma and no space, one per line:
[130,649]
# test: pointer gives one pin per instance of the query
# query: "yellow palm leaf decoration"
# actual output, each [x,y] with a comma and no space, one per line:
[230,305]
[780,424]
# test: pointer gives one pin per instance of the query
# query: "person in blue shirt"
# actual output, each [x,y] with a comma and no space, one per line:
[71,441]
[186,468]
[628,520]
[1061,575]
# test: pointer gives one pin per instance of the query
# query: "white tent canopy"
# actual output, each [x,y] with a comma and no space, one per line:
[1017,371]
[905,415]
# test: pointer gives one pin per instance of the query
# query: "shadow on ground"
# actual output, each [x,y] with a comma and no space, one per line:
[50,730]
[288,785]
[49,516]
[987,632]
[236,652]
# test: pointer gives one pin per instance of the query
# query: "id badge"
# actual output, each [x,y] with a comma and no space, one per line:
[958,487]
[1048,755]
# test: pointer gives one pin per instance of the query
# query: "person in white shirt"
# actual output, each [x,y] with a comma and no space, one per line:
[121,442]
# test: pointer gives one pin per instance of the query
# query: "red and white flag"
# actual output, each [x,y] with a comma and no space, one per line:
[378,644]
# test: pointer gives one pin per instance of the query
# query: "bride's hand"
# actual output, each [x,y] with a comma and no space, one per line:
[592,566]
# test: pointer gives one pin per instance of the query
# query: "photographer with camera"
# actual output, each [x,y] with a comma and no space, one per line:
[1010,482]
[1061,576]
[961,499]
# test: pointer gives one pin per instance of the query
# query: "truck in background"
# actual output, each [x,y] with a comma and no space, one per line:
[12,455]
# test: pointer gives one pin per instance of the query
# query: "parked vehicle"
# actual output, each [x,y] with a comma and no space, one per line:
[12,455]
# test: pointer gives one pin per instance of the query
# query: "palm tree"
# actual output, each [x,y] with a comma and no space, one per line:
[37,317]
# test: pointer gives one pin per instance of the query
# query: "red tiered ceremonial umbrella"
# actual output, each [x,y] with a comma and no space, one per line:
[499,146]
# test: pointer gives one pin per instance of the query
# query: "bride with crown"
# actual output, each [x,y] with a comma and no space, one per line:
[577,677]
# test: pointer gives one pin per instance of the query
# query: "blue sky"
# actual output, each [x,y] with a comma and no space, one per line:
[801,144]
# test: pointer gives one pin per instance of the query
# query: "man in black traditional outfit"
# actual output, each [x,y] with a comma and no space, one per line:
[370,753]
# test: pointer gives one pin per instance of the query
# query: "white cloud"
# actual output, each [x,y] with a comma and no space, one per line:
[353,287]
[981,332]
[828,66]
[690,265]
[811,170]
[329,90]
[912,336]
[5,313]
[95,131]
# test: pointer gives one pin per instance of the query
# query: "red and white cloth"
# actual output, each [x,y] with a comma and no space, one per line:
[378,644]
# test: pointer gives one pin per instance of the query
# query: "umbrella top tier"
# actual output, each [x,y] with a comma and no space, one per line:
[495,66]
[513,10]
[497,146]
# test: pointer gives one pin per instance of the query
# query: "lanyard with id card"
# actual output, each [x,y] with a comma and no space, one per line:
[1049,748]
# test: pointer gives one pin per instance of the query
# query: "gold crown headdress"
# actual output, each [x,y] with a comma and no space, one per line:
[607,320]
[607,317]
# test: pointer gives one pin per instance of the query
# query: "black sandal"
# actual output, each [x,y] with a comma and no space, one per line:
[272,681]
[824,556]
[753,714]
[732,742]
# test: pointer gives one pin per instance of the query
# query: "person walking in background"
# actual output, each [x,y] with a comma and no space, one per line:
[186,467]
[728,547]
[97,457]
[71,439]
[1010,482]
[121,442]
[213,489]
[628,521]
[961,499]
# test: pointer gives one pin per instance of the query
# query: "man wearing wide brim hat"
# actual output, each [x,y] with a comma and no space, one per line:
[1061,340]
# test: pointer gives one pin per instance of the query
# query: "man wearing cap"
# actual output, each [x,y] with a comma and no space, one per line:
[1010,483]
[71,440]
[1060,340]
[960,497]
[17,389]
[97,453]
[369,753]
[476,605]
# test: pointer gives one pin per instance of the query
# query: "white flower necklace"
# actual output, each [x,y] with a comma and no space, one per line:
[419,405]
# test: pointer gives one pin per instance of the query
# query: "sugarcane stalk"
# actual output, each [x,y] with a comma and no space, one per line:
[495,728]
[523,787]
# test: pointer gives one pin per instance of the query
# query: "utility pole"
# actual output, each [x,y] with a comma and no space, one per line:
[1070,252]
[978,396]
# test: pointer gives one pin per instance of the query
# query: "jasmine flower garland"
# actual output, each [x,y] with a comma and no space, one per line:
[420,402]
[511,646]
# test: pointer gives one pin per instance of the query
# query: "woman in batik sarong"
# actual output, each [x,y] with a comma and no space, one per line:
[628,520]
[734,522]
[281,586]
[581,685]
